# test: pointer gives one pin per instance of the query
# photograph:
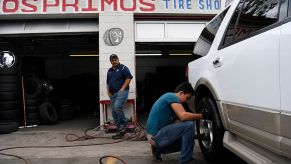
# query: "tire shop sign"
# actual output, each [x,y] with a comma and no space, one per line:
[14,7]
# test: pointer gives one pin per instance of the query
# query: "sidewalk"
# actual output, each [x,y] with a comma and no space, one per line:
[132,152]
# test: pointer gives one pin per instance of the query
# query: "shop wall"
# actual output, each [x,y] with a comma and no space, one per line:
[125,50]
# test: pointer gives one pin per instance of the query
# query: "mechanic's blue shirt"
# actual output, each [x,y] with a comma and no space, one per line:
[116,77]
[161,113]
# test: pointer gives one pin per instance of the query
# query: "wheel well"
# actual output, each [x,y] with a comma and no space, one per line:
[202,91]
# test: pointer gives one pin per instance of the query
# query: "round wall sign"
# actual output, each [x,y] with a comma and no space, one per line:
[7,59]
[113,36]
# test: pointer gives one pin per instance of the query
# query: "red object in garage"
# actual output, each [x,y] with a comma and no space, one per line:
[110,127]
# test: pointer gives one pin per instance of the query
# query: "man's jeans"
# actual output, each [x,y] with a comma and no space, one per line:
[118,100]
[177,137]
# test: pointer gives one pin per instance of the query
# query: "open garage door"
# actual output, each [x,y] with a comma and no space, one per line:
[160,67]
[163,49]
[66,60]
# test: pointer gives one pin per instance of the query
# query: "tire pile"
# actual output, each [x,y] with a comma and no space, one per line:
[37,110]
[66,110]
[10,98]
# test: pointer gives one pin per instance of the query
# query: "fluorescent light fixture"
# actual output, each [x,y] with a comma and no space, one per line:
[148,54]
[177,54]
[84,55]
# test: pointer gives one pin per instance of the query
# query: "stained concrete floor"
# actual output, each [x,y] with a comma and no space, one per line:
[133,152]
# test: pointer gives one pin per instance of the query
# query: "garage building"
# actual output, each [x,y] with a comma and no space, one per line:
[68,43]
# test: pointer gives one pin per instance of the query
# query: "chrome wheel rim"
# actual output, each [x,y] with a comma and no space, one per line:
[206,130]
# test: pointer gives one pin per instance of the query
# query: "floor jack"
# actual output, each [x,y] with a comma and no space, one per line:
[109,126]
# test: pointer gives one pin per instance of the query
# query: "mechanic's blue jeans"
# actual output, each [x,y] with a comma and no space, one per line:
[118,100]
[177,137]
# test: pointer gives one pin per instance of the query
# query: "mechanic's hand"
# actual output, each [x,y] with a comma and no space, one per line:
[205,114]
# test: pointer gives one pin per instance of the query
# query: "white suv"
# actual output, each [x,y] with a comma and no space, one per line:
[242,79]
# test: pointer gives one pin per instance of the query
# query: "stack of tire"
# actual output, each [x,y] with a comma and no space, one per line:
[32,89]
[66,110]
[37,110]
[10,95]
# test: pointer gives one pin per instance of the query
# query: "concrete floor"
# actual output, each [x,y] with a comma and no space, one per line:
[132,152]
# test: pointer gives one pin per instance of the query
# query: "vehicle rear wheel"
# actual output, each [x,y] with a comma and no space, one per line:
[210,130]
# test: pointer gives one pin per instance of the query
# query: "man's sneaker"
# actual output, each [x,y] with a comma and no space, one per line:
[156,153]
[123,127]
[118,135]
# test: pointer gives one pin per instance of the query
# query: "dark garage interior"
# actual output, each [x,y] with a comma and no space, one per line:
[159,70]
[70,83]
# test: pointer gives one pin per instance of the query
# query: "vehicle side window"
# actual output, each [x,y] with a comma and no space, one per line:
[249,17]
[207,36]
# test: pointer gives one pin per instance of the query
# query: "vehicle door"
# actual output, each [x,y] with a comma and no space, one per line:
[247,72]
[285,83]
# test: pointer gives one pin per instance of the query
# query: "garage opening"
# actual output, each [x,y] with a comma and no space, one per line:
[163,50]
[160,67]
[59,69]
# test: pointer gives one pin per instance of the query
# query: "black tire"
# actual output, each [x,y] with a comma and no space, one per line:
[9,87]
[32,88]
[67,113]
[32,122]
[9,71]
[48,113]
[9,105]
[31,109]
[10,79]
[32,102]
[210,141]
[33,116]
[10,115]
[9,96]
[8,127]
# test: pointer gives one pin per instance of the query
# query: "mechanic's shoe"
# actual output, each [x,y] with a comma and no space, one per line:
[123,127]
[156,153]
[118,135]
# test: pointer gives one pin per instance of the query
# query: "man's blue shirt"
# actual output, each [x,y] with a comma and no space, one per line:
[116,77]
[161,113]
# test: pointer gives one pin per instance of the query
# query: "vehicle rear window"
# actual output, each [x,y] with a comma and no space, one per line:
[207,36]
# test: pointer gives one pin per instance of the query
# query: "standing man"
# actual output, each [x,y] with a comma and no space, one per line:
[169,127]
[118,79]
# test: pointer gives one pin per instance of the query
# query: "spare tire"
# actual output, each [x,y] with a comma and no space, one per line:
[48,113]
[8,127]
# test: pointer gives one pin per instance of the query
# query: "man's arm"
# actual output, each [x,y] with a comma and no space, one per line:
[125,84]
[183,115]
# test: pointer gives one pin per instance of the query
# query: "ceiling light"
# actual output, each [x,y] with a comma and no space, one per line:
[84,55]
[148,54]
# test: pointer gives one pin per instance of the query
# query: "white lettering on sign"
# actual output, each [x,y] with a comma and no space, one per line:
[9,7]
